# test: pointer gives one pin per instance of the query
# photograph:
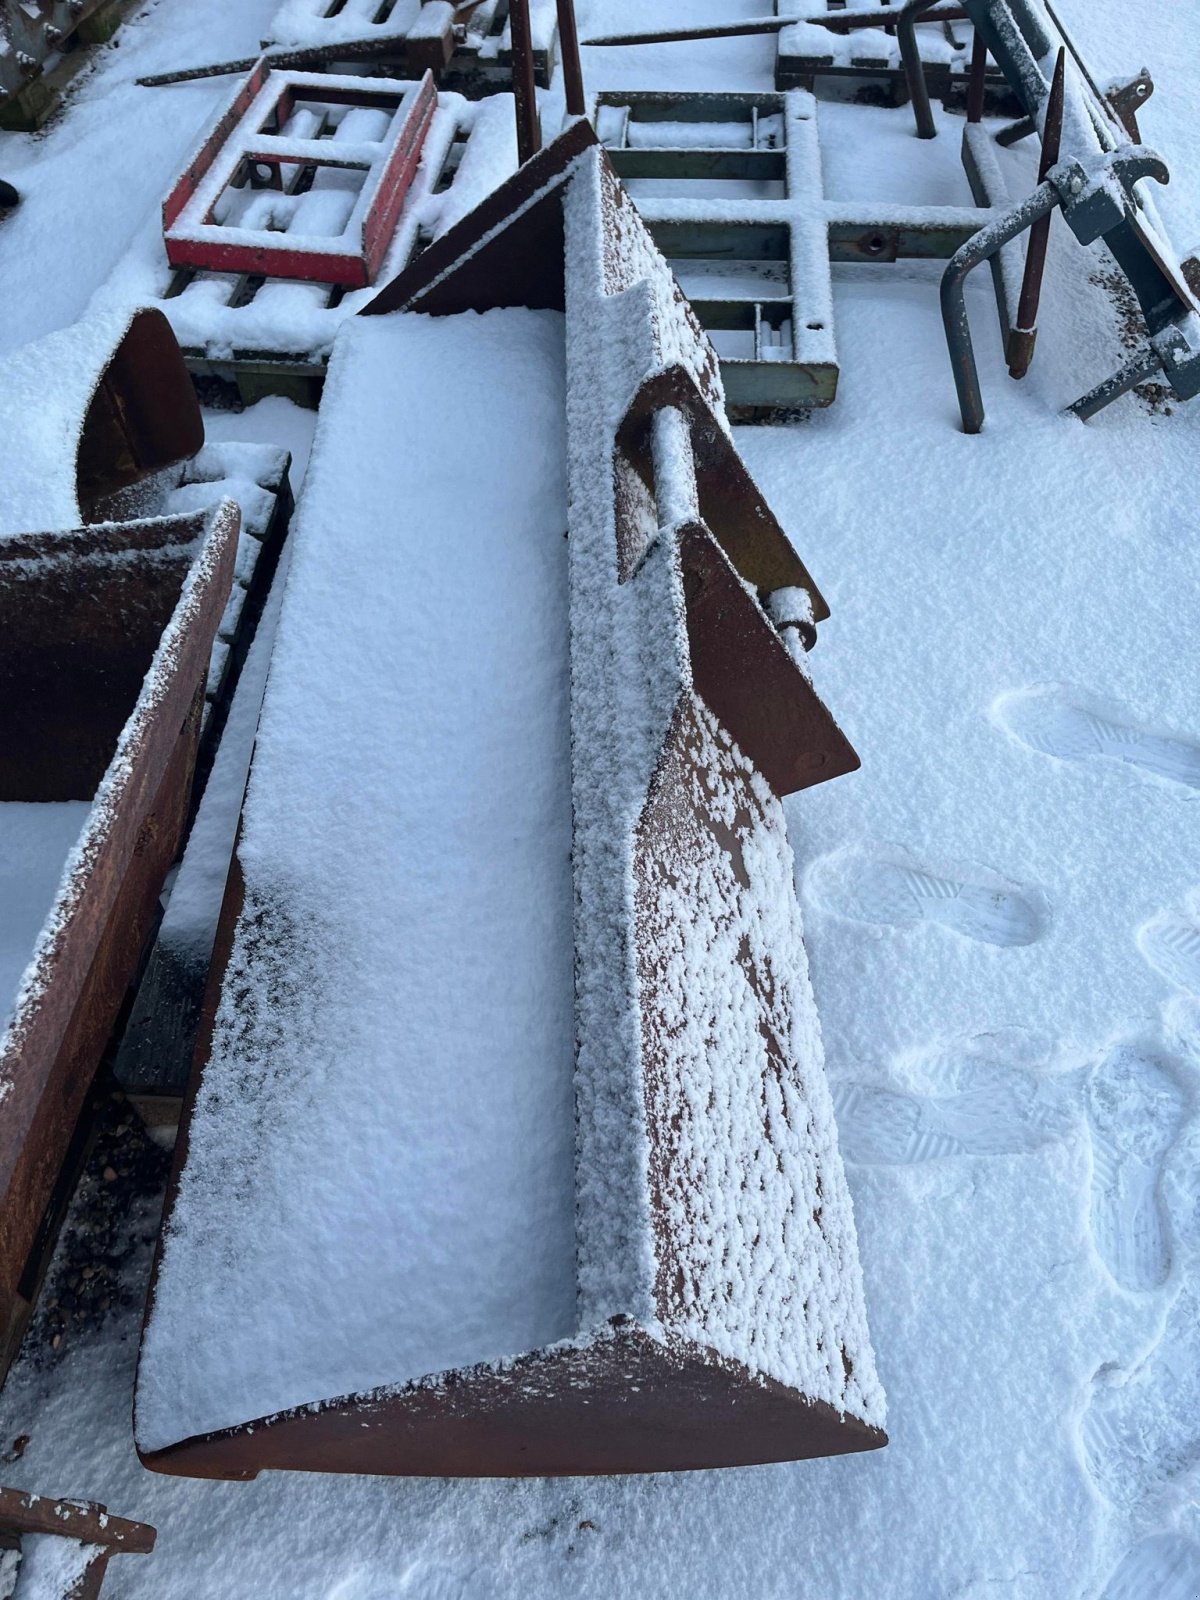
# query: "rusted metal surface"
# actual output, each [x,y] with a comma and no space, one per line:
[733,511]
[267,100]
[1023,336]
[121,407]
[572,67]
[529,126]
[143,416]
[85,617]
[628,1404]
[82,1522]
[461,271]
[912,12]
[744,674]
[1023,128]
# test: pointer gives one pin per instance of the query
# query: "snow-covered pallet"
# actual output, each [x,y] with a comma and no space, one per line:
[267,335]
[511,979]
[267,195]
[415,36]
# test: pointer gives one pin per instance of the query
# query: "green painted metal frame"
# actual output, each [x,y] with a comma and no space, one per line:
[788,239]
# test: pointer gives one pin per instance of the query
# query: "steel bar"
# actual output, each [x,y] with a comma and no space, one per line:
[315,55]
[989,189]
[1023,337]
[911,13]
[978,249]
[836,21]
[1143,366]
[976,83]
[572,68]
[1023,128]
[529,129]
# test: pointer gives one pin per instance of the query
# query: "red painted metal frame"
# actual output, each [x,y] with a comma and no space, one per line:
[391,178]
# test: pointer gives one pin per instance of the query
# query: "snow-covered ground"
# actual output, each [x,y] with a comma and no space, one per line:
[1002,911]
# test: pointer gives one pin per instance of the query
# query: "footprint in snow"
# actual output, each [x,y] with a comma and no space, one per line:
[1170,942]
[1142,1435]
[1135,1111]
[888,887]
[976,1107]
[1072,725]
[1164,1567]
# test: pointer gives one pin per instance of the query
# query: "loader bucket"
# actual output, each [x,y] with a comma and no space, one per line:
[105,637]
[142,417]
[522,1004]
[95,409]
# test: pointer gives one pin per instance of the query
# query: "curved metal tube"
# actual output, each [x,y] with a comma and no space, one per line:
[914,71]
[1129,165]
[980,247]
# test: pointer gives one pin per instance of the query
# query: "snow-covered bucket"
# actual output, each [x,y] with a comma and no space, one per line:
[89,413]
[105,637]
[512,1152]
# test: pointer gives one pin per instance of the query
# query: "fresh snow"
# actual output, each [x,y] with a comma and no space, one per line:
[35,841]
[40,438]
[407,843]
[753,1194]
[305,22]
[51,1566]
[1012,652]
